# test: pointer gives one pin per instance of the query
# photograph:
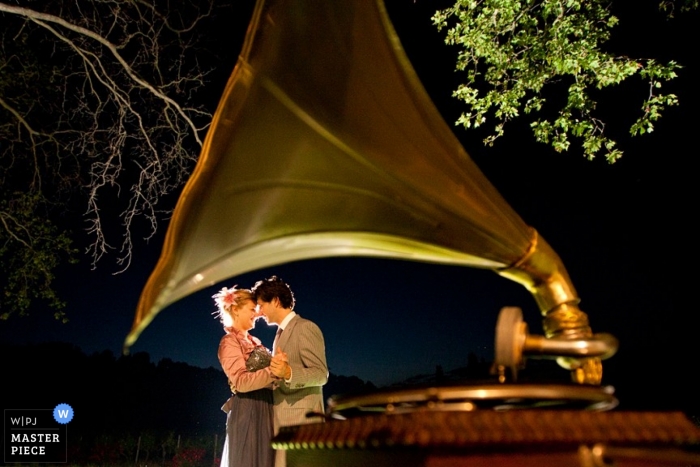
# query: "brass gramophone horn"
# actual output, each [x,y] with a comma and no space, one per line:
[326,144]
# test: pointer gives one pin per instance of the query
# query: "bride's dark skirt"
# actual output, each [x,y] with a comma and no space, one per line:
[249,430]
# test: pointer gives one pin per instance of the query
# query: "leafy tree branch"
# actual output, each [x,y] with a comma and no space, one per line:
[514,51]
[31,248]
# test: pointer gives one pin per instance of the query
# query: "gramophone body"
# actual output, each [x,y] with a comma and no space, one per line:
[326,143]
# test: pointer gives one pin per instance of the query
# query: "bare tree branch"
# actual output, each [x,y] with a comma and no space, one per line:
[99,100]
[42,19]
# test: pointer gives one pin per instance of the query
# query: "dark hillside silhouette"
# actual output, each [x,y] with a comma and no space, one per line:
[125,394]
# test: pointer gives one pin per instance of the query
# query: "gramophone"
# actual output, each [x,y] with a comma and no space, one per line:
[327,143]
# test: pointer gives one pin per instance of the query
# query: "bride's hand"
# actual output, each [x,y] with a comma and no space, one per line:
[279,365]
[279,358]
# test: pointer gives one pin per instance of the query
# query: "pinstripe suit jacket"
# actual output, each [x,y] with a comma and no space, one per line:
[302,340]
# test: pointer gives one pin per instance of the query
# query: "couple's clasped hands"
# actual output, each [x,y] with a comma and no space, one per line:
[279,365]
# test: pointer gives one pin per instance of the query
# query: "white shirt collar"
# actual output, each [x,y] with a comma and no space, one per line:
[286,320]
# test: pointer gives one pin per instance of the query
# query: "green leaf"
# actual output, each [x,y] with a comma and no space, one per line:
[511,52]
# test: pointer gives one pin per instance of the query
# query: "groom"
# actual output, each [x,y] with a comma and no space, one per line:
[302,358]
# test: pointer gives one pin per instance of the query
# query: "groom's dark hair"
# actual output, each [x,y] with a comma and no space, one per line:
[274,287]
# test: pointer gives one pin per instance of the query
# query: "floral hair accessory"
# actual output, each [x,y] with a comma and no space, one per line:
[225,298]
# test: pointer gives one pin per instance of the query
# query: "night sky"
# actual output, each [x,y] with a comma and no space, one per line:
[620,230]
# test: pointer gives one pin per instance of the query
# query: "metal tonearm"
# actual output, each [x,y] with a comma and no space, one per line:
[514,344]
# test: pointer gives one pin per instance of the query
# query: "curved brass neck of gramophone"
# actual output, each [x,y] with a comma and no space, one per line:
[541,271]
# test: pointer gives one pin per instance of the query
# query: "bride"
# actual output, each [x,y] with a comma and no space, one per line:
[246,364]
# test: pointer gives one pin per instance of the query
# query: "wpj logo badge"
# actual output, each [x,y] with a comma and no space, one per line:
[37,435]
[63,413]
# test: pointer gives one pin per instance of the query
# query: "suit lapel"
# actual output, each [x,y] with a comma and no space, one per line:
[284,338]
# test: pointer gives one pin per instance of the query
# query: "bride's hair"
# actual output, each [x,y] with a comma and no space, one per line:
[242,296]
[229,299]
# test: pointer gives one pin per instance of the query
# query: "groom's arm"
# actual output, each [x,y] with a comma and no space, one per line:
[311,368]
